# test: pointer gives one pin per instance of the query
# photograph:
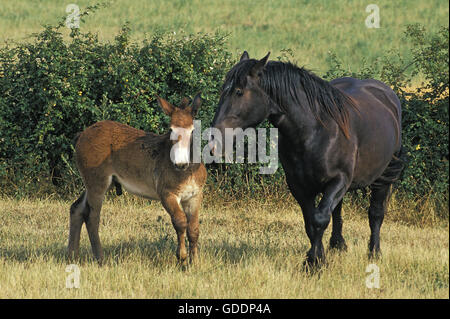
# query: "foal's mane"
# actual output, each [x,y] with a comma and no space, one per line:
[282,80]
[154,143]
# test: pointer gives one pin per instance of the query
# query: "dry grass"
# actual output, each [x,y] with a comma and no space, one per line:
[248,250]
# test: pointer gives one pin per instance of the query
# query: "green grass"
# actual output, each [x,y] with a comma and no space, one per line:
[310,28]
[254,250]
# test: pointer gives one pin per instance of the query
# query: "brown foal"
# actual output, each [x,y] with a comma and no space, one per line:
[149,165]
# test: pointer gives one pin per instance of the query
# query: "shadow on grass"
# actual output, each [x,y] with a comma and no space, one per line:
[26,254]
[160,251]
[241,251]
[156,251]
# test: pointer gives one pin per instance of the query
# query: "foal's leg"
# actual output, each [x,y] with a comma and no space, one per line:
[191,209]
[92,220]
[333,194]
[77,211]
[179,222]
[378,203]
[336,240]
[96,187]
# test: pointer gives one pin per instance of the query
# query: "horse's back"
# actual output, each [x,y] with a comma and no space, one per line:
[370,90]
[376,102]
[376,125]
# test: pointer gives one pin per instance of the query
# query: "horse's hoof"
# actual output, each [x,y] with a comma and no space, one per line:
[313,265]
[374,254]
[338,244]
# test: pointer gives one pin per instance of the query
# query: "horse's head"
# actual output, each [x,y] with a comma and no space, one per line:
[182,126]
[243,103]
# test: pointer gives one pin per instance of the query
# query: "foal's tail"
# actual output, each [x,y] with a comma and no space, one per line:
[394,171]
[75,139]
[117,185]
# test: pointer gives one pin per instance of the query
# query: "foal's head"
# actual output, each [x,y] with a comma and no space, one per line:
[182,126]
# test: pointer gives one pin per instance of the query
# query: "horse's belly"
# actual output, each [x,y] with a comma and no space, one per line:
[369,167]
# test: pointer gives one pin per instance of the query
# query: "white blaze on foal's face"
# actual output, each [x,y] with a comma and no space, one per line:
[180,152]
[182,125]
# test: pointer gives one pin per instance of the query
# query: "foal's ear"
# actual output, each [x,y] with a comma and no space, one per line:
[196,103]
[166,106]
[259,66]
[244,56]
[184,103]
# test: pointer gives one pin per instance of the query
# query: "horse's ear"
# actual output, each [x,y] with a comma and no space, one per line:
[196,103]
[259,66]
[244,56]
[166,106]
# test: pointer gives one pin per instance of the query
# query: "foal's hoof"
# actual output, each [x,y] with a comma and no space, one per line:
[183,263]
[193,261]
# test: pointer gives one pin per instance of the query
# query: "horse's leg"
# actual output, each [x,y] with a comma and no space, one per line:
[179,222]
[378,203]
[191,209]
[336,240]
[308,210]
[306,202]
[333,194]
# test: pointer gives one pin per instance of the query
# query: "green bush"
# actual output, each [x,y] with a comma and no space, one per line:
[51,89]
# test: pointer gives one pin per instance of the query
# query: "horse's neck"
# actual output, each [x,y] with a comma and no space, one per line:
[293,121]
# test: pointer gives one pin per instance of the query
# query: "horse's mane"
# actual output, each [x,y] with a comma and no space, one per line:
[281,80]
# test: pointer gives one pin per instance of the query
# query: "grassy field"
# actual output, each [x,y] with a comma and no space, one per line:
[309,28]
[254,250]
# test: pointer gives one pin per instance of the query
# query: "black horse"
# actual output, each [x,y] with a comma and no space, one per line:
[333,137]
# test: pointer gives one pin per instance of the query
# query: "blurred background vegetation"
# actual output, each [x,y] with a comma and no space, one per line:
[309,28]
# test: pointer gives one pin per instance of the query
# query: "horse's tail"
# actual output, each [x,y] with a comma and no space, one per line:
[394,171]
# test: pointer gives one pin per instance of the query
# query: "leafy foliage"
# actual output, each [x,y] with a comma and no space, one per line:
[51,89]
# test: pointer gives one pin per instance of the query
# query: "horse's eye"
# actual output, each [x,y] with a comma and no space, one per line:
[239,92]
